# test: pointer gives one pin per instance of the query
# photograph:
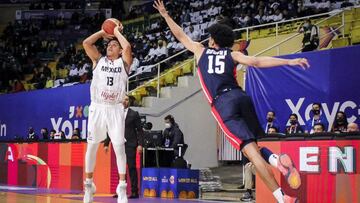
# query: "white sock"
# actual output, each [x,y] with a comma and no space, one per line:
[273,160]
[279,195]
[89,180]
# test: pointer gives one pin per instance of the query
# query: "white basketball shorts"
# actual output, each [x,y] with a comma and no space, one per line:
[104,118]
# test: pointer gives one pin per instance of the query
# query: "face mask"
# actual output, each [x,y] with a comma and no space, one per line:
[270,119]
[306,25]
[316,112]
[293,122]
[167,125]
[340,120]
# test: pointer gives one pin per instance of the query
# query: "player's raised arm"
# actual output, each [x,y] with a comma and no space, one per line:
[90,48]
[195,47]
[126,48]
[267,62]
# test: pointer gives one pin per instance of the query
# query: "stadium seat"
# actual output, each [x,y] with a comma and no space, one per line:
[52,65]
[355,24]
[137,96]
[342,42]
[49,84]
[355,36]
[27,86]
[62,73]
[187,68]
[169,78]
[28,77]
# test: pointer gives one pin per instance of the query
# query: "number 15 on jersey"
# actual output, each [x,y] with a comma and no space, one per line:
[219,64]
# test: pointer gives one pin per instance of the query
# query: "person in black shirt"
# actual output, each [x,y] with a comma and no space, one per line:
[172,135]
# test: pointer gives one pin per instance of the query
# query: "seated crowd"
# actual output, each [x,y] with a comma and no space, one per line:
[316,124]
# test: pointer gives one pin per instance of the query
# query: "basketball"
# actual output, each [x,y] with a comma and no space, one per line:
[109,25]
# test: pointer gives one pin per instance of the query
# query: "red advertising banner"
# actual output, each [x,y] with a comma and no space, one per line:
[329,171]
[56,166]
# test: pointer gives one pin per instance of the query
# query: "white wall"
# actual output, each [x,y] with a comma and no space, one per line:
[198,126]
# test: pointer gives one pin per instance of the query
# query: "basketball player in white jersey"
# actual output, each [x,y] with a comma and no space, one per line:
[106,112]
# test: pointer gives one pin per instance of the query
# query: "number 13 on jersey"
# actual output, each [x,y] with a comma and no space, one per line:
[219,64]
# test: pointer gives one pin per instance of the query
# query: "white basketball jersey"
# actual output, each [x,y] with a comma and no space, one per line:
[108,85]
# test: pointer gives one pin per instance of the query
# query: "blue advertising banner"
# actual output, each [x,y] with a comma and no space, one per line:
[332,80]
[170,183]
[179,183]
[62,109]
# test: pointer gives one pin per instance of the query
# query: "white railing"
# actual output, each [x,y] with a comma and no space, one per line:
[247,29]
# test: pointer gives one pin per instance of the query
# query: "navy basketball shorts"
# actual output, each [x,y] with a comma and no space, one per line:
[235,113]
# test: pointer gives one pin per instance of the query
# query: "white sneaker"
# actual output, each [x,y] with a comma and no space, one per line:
[89,189]
[121,192]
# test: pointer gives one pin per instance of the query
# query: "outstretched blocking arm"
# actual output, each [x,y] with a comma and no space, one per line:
[267,62]
[90,48]
[195,47]
[126,48]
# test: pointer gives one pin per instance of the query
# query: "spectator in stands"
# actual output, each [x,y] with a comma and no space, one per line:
[346,3]
[273,130]
[44,133]
[46,70]
[294,125]
[261,17]
[135,65]
[278,16]
[194,34]
[316,117]
[150,57]
[52,134]
[32,135]
[352,127]
[172,135]
[340,124]
[311,36]
[318,128]
[161,51]
[76,134]
[271,121]
[60,136]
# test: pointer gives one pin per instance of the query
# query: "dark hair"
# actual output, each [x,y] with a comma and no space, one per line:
[148,126]
[272,112]
[113,39]
[294,114]
[170,118]
[52,131]
[275,128]
[315,103]
[222,35]
[320,124]
[336,125]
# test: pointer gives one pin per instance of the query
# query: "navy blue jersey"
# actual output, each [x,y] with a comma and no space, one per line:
[217,71]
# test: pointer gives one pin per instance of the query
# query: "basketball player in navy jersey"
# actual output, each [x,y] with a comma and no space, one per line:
[232,108]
